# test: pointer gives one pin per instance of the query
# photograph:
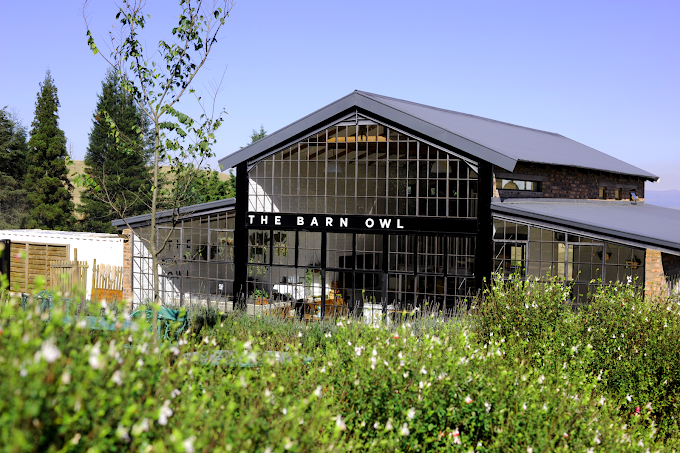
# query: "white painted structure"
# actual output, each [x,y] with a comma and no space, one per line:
[105,248]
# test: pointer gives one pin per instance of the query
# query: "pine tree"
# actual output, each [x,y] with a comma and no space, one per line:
[47,184]
[122,175]
[13,153]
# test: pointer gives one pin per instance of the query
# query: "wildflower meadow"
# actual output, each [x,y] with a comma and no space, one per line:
[517,370]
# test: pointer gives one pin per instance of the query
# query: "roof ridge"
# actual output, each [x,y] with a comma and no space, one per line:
[459,113]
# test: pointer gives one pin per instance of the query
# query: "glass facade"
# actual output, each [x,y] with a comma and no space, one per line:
[353,270]
[196,263]
[530,251]
[361,169]
[365,169]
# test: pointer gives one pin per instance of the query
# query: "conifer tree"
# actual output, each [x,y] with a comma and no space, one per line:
[121,173]
[13,154]
[47,185]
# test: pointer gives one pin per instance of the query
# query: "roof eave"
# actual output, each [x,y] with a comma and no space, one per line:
[665,246]
[186,211]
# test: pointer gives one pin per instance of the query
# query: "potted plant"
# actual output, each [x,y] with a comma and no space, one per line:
[260,297]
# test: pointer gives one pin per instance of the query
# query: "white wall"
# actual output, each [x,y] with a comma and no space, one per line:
[105,248]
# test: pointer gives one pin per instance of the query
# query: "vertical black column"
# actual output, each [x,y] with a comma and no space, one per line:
[484,246]
[385,265]
[241,236]
[323,273]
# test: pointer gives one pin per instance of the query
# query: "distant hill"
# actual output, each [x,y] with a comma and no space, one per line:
[79,167]
[665,198]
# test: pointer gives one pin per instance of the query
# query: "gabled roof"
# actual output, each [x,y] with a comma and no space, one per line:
[186,212]
[501,144]
[640,224]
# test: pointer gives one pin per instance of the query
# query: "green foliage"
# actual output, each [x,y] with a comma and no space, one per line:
[207,186]
[13,155]
[635,343]
[120,174]
[47,185]
[257,135]
[426,385]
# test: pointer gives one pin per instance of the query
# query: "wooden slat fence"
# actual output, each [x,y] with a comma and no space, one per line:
[28,260]
[107,282]
[65,274]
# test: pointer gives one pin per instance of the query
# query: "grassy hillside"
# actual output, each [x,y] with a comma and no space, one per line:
[78,167]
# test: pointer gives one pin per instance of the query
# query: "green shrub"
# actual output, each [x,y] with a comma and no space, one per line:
[635,343]
[426,385]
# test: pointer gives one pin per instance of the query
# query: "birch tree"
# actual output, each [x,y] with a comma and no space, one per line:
[158,79]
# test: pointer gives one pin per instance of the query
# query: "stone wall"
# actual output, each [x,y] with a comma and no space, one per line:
[655,279]
[570,182]
[127,266]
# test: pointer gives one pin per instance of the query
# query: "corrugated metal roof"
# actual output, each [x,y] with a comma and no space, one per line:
[499,143]
[185,212]
[645,224]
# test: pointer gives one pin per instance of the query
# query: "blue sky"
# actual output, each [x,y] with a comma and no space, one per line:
[604,73]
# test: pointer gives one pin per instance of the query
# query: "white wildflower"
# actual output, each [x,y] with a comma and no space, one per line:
[487,406]
[411,413]
[284,411]
[602,400]
[174,350]
[76,439]
[95,359]
[318,392]
[66,378]
[524,406]
[117,378]
[123,434]
[340,423]
[23,372]
[175,393]
[541,378]
[188,444]
[299,335]
[164,413]
[545,407]
[468,400]
[139,428]
[405,375]
[423,370]
[404,431]
[357,350]
[376,425]
[48,351]
[629,398]
[530,450]
[388,425]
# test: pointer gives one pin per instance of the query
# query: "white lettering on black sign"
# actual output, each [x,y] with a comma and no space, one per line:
[335,222]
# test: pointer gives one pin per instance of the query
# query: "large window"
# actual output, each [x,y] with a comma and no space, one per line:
[364,169]
[196,263]
[542,253]
[355,270]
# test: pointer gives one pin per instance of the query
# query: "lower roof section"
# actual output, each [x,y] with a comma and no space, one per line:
[186,212]
[637,224]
